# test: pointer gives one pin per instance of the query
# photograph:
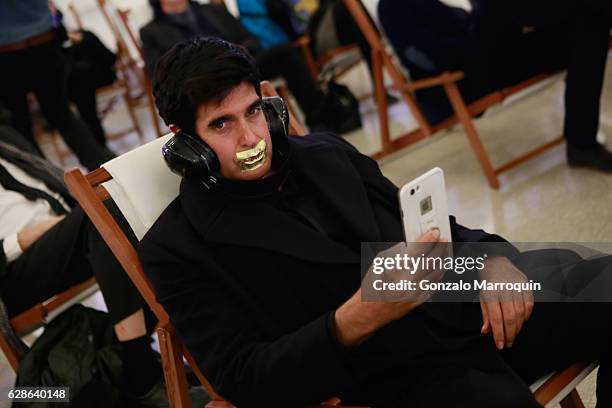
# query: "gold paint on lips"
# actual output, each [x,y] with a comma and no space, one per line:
[253,158]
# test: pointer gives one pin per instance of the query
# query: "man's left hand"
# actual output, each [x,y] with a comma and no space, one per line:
[504,312]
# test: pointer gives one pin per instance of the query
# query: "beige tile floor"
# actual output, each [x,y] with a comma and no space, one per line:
[542,200]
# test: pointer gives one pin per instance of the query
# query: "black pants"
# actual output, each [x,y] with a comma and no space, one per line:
[585,78]
[82,91]
[285,61]
[422,363]
[41,69]
[69,253]
[587,54]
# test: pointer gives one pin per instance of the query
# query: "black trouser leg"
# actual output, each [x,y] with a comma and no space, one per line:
[286,62]
[585,78]
[69,253]
[13,96]
[559,334]
[348,32]
[83,93]
[50,87]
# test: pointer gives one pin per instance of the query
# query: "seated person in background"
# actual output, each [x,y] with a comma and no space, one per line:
[90,66]
[177,20]
[47,245]
[270,30]
[431,37]
[258,264]
[329,25]
[587,25]
[31,60]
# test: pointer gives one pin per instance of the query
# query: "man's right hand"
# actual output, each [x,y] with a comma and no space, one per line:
[356,320]
[29,235]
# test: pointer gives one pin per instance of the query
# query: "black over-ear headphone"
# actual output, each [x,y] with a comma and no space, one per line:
[189,156]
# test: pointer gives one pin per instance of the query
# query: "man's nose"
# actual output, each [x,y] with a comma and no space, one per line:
[249,138]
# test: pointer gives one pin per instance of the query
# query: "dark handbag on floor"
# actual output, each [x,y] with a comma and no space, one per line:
[343,104]
[77,350]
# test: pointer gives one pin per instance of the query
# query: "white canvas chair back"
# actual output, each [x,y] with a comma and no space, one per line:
[142,185]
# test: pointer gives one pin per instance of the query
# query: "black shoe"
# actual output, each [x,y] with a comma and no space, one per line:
[597,158]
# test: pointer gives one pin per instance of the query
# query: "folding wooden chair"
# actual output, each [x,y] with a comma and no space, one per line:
[336,61]
[382,57]
[38,315]
[121,88]
[132,68]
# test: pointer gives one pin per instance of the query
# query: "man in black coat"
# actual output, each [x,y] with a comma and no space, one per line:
[47,245]
[178,21]
[257,263]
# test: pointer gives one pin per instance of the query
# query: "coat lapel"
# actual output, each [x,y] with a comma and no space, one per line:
[254,224]
[334,178]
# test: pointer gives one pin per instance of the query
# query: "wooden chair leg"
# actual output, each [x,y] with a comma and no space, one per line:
[130,108]
[463,114]
[55,136]
[12,355]
[174,372]
[572,400]
[381,100]
[148,90]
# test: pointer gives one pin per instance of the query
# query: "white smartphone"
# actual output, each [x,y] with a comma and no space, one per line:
[424,206]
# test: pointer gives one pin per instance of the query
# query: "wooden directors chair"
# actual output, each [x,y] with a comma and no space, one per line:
[38,315]
[142,196]
[132,67]
[383,57]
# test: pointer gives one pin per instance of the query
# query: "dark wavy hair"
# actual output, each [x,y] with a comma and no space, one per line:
[199,71]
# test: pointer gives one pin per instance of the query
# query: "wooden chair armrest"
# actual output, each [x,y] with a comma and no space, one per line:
[558,381]
[444,78]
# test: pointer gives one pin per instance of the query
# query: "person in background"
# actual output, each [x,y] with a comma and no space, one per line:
[90,67]
[431,37]
[177,20]
[47,245]
[31,60]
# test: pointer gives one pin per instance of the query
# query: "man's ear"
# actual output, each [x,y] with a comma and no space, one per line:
[174,129]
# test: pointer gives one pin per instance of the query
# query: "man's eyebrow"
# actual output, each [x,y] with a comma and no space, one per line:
[225,118]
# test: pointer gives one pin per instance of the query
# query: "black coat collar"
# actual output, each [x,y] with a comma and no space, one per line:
[330,174]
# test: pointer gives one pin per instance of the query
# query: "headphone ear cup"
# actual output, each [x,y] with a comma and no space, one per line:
[277,116]
[190,157]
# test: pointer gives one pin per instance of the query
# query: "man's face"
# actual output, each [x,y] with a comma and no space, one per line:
[237,131]
[173,6]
